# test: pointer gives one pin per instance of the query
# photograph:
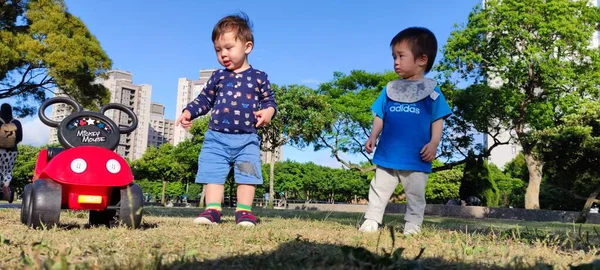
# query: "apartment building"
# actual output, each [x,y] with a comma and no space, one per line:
[161,129]
[187,90]
[124,91]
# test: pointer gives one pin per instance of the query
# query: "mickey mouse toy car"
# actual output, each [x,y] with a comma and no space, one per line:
[86,173]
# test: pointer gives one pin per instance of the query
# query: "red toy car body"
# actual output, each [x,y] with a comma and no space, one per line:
[87,187]
[86,174]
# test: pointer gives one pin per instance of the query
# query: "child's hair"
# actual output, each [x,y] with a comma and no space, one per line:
[422,42]
[239,23]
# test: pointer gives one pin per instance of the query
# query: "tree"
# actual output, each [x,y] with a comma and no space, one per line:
[443,185]
[477,181]
[186,153]
[346,131]
[158,164]
[572,150]
[348,127]
[533,57]
[24,165]
[43,46]
[301,113]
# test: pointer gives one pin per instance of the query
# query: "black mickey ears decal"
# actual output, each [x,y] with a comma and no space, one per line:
[87,127]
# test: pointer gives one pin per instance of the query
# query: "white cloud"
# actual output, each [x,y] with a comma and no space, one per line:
[311,81]
[34,132]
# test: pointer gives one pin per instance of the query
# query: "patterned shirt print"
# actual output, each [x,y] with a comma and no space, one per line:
[232,98]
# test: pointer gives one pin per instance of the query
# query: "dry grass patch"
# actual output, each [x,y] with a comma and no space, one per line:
[287,239]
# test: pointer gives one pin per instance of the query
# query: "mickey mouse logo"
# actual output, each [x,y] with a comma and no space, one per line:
[87,127]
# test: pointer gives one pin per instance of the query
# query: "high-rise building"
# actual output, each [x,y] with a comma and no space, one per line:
[502,154]
[59,112]
[187,90]
[265,157]
[123,91]
[136,97]
[161,129]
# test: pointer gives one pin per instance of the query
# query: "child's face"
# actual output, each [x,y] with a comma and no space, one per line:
[405,64]
[231,52]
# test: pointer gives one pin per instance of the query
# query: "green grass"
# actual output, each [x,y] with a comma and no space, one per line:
[287,239]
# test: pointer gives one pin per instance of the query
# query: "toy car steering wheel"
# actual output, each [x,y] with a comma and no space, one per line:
[87,127]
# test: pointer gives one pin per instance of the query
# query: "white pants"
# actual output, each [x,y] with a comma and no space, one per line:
[7,164]
[383,186]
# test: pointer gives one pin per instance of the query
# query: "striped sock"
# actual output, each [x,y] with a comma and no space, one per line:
[243,207]
[214,206]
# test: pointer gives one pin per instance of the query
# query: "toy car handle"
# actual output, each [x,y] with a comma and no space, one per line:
[126,110]
[55,100]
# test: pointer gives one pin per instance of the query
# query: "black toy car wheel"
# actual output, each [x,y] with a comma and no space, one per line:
[46,196]
[102,217]
[130,206]
[25,205]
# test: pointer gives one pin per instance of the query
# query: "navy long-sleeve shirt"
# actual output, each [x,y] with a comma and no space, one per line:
[232,98]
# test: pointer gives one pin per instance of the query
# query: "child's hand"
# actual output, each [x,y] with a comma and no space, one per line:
[428,152]
[263,117]
[370,144]
[184,119]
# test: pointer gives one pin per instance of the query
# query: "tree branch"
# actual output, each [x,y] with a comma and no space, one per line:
[25,85]
[334,151]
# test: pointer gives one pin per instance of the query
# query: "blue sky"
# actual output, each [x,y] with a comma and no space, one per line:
[296,42]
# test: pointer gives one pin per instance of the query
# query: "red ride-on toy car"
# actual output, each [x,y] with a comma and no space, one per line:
[86,174]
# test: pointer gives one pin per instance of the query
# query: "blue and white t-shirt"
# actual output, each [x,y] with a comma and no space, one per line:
[406,129]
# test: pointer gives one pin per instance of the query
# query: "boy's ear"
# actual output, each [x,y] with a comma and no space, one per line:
[249,46]
[422,61]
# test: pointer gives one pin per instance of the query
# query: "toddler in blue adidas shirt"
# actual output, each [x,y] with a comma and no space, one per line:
[409,115]
[239,99]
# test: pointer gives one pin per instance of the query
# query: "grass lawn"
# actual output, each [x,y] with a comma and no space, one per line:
[288,239]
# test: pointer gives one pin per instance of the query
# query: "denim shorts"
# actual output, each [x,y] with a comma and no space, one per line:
[221,151]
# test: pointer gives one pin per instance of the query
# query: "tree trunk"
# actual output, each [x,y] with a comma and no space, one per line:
[163,198]
[271,179]
[582,218]
[532,195]
[201,203]
[307,197]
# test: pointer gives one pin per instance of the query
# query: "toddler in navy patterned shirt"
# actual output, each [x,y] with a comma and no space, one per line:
[239,99]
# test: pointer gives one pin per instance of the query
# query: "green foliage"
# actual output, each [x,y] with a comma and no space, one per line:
[24,165]
[530,63]
[571,151]
[43,46]
[477,181]
[517,168]
[186,153]
[511,189]
[158,164]
[351,97]
[443,185]
[155,187]
[194,191]
[199,127]
[308,181]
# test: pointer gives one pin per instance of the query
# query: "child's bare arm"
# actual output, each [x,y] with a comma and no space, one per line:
[377,127]
[436,131]
[375,131]
[429,151]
